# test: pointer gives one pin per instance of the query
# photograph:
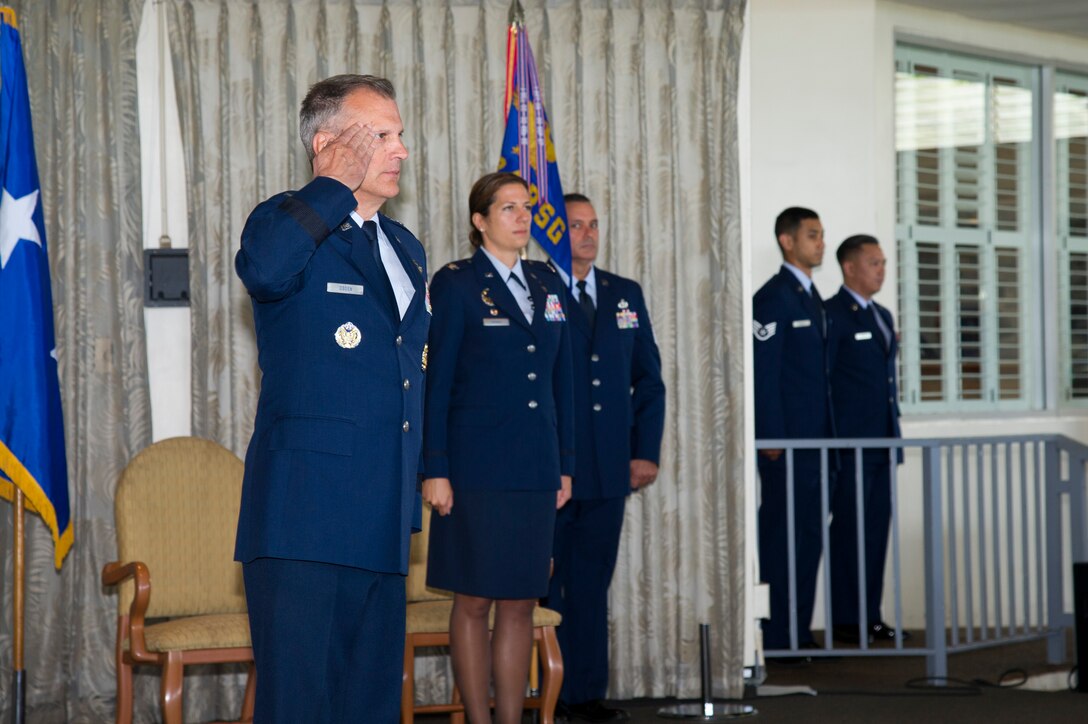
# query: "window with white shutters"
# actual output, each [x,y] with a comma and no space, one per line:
[1071,186]
[966,220]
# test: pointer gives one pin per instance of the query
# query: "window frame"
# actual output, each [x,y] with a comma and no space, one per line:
[987,240]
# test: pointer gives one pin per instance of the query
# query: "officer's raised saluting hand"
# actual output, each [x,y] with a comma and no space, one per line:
[345,156]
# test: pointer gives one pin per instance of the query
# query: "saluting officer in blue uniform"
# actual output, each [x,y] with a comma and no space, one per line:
[330,492]
[619,414]
[792,400]
[865,398]
[498,443]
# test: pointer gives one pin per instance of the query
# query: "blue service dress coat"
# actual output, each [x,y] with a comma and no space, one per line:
[619,396]
[793,400]
[331,473]
[864,391]
[619,409]
[792,395]
[865,400]
[499,425]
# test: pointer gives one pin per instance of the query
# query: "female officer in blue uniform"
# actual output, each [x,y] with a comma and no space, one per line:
[498,443]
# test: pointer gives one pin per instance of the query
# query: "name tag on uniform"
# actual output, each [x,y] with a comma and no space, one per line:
[496,322]
[334,288]
[863,336]
[798,323]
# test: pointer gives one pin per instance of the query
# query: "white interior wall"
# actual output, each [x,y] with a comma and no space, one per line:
[822,135]
[163,175]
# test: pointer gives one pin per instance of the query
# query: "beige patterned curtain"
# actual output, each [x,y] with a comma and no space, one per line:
[81,68]
[641,94]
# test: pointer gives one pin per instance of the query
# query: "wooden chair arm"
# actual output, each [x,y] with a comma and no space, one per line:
[116,572]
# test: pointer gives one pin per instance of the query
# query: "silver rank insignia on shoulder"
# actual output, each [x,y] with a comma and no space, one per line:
[423,362]
[485,297]
[453,265]
[348,335]
[763,332]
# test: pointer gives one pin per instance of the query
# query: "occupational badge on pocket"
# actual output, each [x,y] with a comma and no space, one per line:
[348,335]
[553,309]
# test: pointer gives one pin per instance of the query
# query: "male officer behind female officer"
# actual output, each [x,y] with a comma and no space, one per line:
[619,408]
[792,400]
[861,357]
[329,498]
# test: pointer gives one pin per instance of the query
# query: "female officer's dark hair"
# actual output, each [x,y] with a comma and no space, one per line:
[483,195]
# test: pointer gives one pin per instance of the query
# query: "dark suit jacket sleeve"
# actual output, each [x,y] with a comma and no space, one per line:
[767,359]
[563,389]
[444,343]
[648,398]
[282,234]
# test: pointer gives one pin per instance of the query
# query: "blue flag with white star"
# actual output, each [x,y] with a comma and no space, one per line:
[31,424]
[528,151]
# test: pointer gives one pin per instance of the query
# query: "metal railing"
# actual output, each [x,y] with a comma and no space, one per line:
[1002,521]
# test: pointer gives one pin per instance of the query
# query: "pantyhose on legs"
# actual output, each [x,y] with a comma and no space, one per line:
[506,654]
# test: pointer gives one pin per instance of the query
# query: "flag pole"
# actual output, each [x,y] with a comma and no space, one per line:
[18,681]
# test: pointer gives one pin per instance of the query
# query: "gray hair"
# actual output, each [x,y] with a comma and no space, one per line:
[325,98]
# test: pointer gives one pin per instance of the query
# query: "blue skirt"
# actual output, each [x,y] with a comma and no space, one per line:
[493,544]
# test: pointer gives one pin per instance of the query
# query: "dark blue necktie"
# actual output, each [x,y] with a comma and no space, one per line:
[879,326]
[820,313]
[586,303]
[370,232]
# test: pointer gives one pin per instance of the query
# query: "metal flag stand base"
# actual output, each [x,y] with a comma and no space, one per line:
[707,710]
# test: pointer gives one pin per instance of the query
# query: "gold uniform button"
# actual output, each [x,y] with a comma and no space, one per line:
[596,383]
[405,426]
[597,407]
[532,376]
[407,384]
[594,358]
[531,348]
[532,404]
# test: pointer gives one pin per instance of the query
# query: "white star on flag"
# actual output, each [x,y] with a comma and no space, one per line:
[17,223]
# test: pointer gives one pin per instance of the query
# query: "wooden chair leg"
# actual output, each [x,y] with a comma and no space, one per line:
[249,701]
[551,674]
[124,693]
[124,676]
[457,717]
[170,688]
[534,670]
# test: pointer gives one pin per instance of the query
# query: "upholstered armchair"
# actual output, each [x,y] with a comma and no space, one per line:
[181,597]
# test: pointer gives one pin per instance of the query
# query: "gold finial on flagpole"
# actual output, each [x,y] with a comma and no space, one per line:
[517,14]
[7,15]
